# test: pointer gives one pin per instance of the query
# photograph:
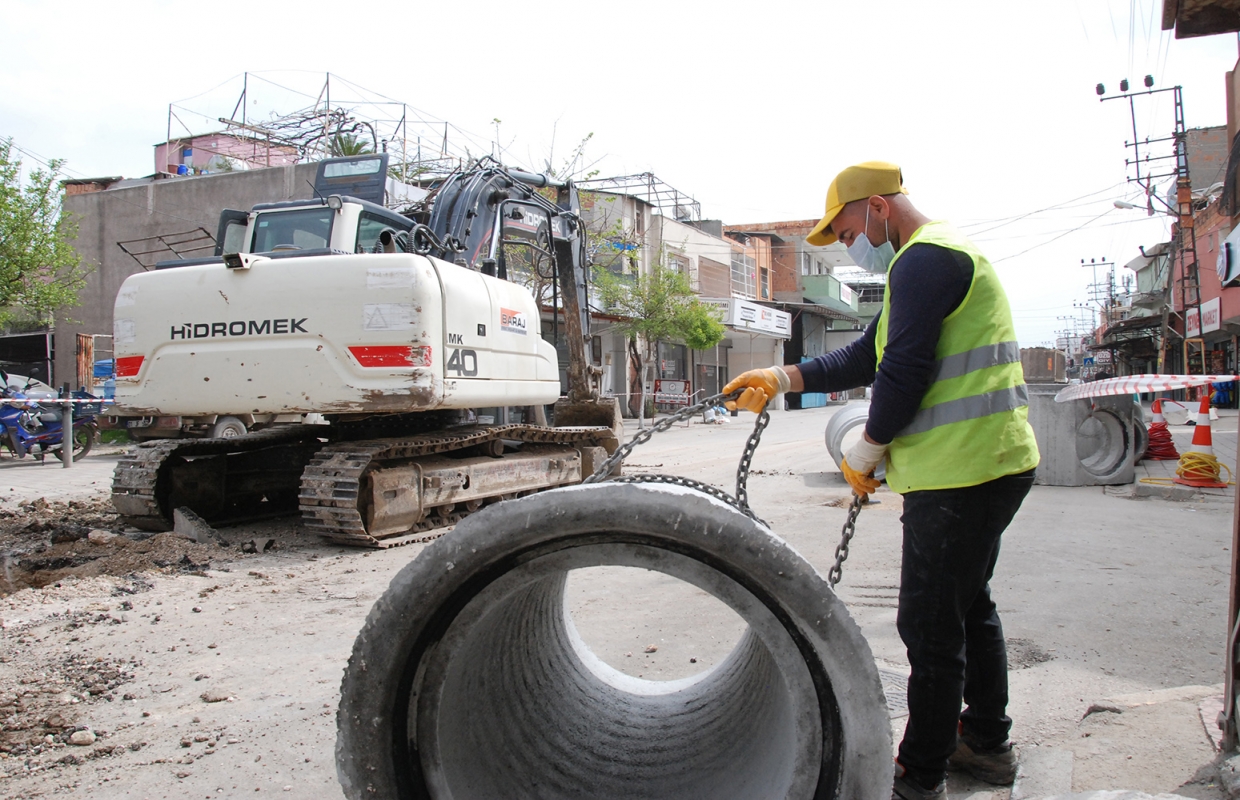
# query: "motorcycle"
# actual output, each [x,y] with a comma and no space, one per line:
[28,428]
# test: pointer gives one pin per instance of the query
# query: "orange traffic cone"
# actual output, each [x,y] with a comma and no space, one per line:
[1203,442]
[1160,448]
[1198,466]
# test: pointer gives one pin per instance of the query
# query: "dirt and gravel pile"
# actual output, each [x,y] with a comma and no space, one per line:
[36,521]
[42,700]
[42,543]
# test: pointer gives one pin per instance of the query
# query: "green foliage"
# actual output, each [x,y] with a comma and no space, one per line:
[660,306]
[348,144]
[407,172]
[657,307]
[39,269]
[703,330]
[574,165]
[115,437]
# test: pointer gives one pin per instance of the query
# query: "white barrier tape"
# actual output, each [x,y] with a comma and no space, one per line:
[1138,384]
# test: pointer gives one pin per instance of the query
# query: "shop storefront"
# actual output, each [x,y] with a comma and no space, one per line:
[1210,348]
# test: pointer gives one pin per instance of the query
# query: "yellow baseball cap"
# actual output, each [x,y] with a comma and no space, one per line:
[856,183]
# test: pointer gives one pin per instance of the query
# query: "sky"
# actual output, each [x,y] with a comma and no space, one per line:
[988,107]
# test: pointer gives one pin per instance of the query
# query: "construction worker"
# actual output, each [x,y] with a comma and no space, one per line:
[949,418]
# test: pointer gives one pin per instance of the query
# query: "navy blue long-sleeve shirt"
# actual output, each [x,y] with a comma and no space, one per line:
[927,283]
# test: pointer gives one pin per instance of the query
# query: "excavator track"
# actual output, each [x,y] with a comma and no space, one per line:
[279,470]
[155,478]
[338,501]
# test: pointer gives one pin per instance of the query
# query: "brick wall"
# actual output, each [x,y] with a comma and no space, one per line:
[784,268]
[1207,155]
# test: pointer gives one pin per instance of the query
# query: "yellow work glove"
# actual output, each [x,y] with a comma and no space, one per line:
[760,387]
[859,464]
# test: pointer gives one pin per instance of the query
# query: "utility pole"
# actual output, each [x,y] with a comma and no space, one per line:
[1146,169]
[1078,328]
[1103,293]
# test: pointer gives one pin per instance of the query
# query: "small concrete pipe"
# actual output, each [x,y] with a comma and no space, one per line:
[841,424]
[469,679]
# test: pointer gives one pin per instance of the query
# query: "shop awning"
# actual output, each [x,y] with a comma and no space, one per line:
[813,308]
[1127,330]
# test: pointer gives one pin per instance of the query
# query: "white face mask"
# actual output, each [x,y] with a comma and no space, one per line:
[870,258]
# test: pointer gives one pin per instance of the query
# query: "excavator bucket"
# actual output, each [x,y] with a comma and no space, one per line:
[600,412]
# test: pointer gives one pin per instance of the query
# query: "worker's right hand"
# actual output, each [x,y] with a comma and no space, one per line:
[859,464]
[759,387]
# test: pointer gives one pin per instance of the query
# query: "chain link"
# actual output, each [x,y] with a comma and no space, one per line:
[741,500]
[841,551]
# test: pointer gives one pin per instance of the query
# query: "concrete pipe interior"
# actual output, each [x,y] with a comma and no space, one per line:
[513,697]
[1102,444]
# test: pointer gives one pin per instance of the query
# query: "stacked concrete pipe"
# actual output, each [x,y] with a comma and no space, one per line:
[843,422]
[469,679]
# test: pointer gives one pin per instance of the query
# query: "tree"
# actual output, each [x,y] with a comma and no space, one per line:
[39,269]
[349,144]
[657,307]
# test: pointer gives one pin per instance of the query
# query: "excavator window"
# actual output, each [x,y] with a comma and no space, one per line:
[303,229]
[526,243]
[369,226]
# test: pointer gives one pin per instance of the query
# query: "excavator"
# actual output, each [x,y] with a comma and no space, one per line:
[400,328]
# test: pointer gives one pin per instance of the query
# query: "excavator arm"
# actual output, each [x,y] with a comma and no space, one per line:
[467,217]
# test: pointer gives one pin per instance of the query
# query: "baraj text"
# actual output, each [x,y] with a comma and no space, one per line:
[266,327]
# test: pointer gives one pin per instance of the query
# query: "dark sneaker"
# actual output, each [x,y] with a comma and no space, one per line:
[996,765]
[905,788]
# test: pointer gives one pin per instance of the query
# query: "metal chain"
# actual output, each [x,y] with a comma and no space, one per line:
[841,551]
[742,469]
[741,500]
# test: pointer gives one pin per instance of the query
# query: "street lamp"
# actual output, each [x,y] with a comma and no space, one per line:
[1148,208]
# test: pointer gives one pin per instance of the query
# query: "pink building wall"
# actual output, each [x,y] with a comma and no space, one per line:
[252,151]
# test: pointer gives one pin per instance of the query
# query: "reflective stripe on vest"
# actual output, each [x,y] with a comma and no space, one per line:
[972,407]
[989,355]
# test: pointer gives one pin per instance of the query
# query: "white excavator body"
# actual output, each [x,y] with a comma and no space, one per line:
[331,334]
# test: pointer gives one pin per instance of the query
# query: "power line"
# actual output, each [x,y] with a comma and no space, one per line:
[1009,220]
[1057,238]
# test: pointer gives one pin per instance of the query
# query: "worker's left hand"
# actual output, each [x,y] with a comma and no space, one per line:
[859,465]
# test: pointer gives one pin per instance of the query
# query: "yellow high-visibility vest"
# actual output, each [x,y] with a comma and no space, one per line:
[973,423]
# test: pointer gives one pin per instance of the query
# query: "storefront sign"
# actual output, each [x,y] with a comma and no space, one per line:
[675,393]
[1211,316]
[746,316]
[1192,324]
[1228,263]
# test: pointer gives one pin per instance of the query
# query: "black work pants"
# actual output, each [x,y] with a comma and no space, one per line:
[949,623]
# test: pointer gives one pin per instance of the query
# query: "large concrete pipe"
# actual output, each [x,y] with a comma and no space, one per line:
[844,428]
[469,679]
